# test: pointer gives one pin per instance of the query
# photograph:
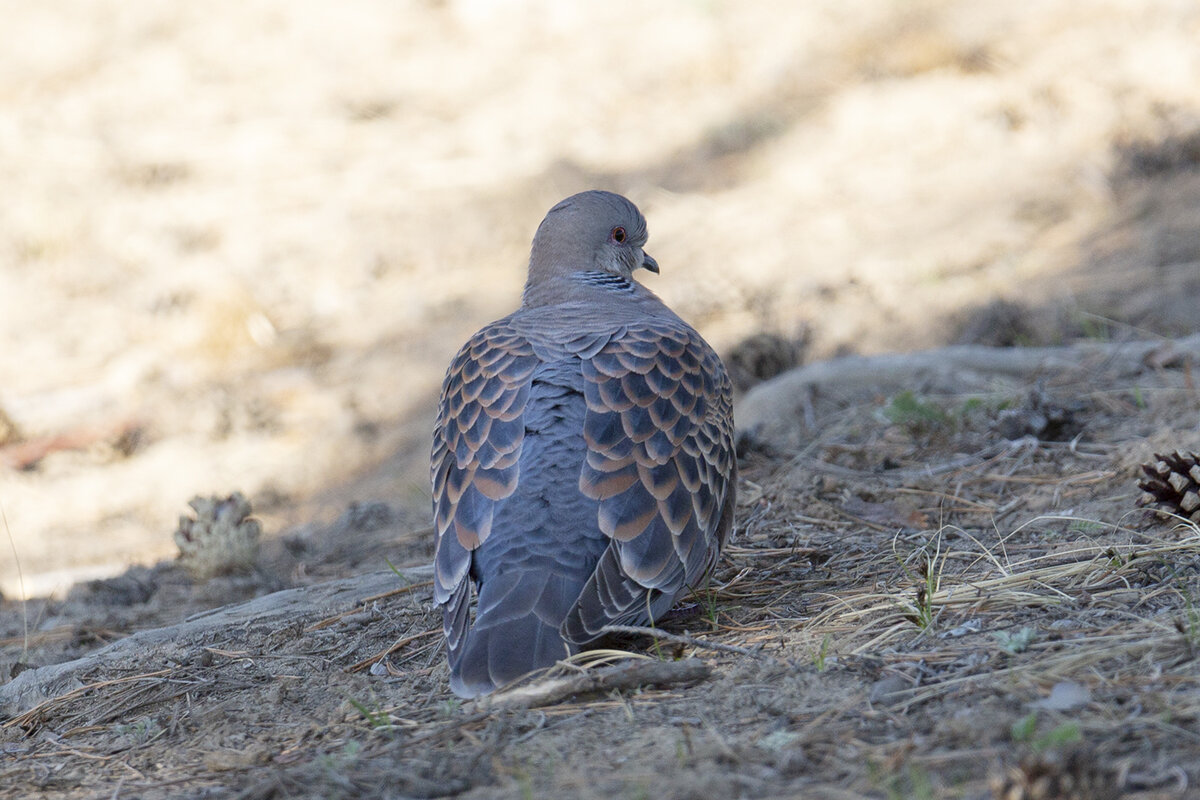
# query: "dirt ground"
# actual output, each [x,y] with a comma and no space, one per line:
[242,241]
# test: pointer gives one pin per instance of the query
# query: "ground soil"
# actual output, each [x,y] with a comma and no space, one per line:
[241,244]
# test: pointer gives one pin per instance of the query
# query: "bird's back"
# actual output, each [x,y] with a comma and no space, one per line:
[582,472]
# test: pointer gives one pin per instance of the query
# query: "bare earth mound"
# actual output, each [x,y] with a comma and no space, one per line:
[940,587]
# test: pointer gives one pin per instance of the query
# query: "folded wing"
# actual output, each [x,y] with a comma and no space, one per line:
[661,464]
[475,460]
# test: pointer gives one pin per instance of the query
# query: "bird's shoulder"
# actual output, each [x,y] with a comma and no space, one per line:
[613,336]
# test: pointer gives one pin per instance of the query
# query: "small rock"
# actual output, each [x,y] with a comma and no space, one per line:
[1065,696]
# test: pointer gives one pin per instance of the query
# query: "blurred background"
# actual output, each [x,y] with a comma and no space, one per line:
[240,240]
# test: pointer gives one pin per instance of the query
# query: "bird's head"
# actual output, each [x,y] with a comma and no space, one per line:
[590,232]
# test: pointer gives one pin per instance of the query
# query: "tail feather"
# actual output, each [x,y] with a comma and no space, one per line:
[516,630]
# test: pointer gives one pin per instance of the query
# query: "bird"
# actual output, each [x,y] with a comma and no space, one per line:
[583,462]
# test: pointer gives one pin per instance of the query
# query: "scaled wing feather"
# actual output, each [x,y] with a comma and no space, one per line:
[476,449]
[659,432]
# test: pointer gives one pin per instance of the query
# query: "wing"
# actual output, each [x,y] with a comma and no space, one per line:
[661,464]
[476,449]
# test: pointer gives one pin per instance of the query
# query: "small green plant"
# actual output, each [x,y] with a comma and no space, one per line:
[1023,731]
[1189,625]
[1067,733]
[921,609]
[707,597]
[1094,326]
[140,732]
[920,784]
[376,717]
[525,781]
[970,405]
[1013,642]
[336,763]
[393,568]
[643,792]
[914,784]
[916,416]
[819,657]
[656,643]
[928,578]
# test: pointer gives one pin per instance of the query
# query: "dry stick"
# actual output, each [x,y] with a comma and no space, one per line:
[325,623]
[394,592]
[34,712]
[635,675]
[60,633]
[366,662]
[678,638]
[980,458]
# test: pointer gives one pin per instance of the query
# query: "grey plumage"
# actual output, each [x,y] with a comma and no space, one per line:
[583,466]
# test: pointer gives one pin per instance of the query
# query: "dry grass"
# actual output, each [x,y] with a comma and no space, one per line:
[1017,620]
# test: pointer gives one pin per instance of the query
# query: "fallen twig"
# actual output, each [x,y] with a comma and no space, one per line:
[325,623]
[393,647]
[634,675]
[681,638]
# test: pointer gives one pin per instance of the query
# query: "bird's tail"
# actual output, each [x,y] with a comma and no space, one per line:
[516,630]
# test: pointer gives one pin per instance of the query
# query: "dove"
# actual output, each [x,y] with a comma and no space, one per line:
[583,463]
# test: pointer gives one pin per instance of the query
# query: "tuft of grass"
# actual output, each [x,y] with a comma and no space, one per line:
[928,578]
[971,405]
[1013,642]
[1067,733]
[918,417]
[398,573]
[913,784]
[1023,732]
[335,764]
[707,597]
[1188,624]
[525,782]
[1094,326]
[376,717]
[141,732]
[819,657]
[1023,729]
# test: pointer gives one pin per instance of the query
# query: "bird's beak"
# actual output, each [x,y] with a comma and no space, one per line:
[649,263]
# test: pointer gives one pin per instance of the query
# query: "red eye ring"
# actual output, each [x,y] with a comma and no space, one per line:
[618,235]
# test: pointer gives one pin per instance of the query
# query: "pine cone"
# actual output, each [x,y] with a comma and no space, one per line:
[1172,484]
[222,540]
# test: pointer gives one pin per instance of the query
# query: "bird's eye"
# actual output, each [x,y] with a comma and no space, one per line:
[618,235]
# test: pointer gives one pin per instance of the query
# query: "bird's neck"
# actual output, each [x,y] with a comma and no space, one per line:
[584,286]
